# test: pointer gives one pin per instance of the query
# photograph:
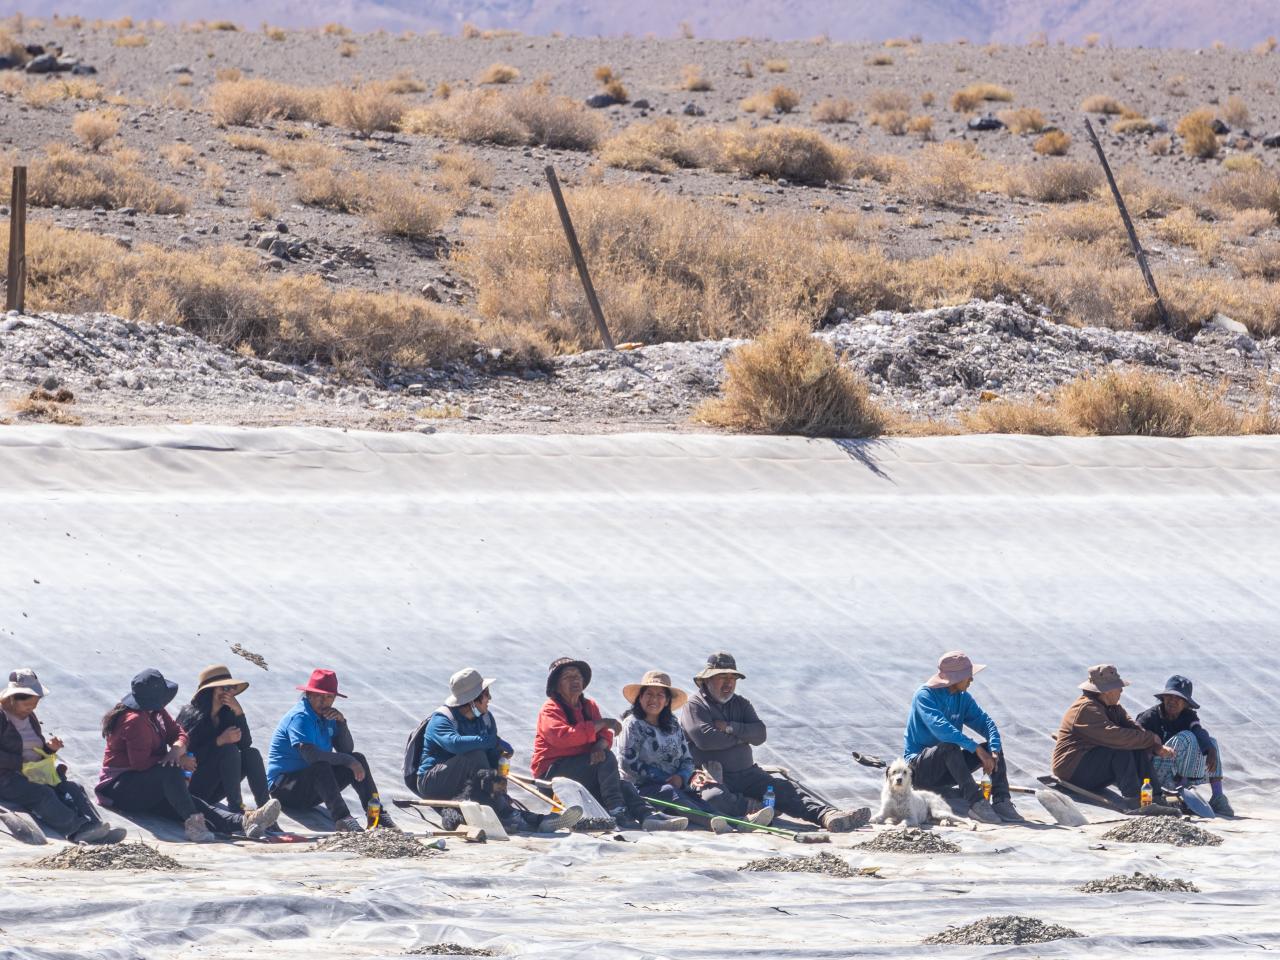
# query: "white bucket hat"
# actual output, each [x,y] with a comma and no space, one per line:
[23,680]
[465,686]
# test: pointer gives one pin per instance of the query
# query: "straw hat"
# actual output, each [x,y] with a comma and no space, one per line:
[655,678]
[218,675]
[954,667]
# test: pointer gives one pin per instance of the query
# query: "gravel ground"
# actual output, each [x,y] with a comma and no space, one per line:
[119,856]
[909,840]
[990,931]
[1162,830]
[1123,883]
[594,825]
[825,863]
[377,845]
[450,950]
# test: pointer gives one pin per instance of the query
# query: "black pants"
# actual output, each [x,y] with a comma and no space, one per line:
[162,790]
[687,799]
[790,799]
[324,783]
[460,778]
[947,764]
[1103,766]
[604,782]
[218,778]
[66,807]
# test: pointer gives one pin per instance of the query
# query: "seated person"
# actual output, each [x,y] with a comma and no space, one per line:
[219,738]
[1196,756]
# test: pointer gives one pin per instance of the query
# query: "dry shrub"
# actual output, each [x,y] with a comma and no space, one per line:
[693,79]
[178,155]
[883,100]
[527,116]
[225,25]
[63,177]
[12,83]
[1236,112]
[225,74]
[1142,403]
[461,168]
[893,122]
[1102,103]
[789,382]
[335,30]
[927,98]
[833,110]
[1249,223]
[1054,181]
[499,73]
[1265,47]
[1023,120]
[944,173]
[1031,418]
[46,406]
[347,49]
[12,47]
[659,146]
[1160,146]
[777,100]
[1133,125]
[96,127]
[131,40]
[184,80]
[364,109]
[246,103]
[1185,229]
[1196,131]
[897,42]
[1257,188]
[1261,262]
[398,208]
[331,188]
[405,82]
[879,60]
[1091,39]
[776,66]
[275,33]
[223,294]
[921,126]
[611,83]
[791,153]
[974,95]
[1083,223]
[52,90]
[263,208]
[1055,143]
[1241,163]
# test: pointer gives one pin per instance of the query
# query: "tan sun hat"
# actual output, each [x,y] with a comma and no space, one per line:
[219,676]
[1103,678]
[655,678]
[954,667]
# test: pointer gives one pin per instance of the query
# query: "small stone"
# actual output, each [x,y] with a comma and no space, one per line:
[693,110]
[601,100]
[282,227]
[641,104]
[430,292]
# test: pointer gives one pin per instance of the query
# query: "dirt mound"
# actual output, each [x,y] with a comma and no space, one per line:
[990,931]
[909,840]
[450,950]
[1123,883]
[119,856]
[1162,830]
[825,863]
[377,845]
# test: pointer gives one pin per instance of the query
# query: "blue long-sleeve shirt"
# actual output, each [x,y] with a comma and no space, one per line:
[940,716]
[450,733]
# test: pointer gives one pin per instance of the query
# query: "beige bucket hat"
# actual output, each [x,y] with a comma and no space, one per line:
[953,667]
[1103,678]
[656,678]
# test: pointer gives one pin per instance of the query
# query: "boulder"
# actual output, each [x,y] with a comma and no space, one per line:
[45,63]
[693,110]
[640,104]
[84,70]
[601,100]
[1220,128]
[1271,141]
[987,122]
[9,63]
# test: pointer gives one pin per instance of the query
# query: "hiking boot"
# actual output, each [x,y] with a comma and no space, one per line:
[762,817]
[981,811]
[655,822]
[720,825]
[196,829]
[1220,805]
[257,822]
[95,831]
[347,825]
[564,820]
[843,821]
[1007,812]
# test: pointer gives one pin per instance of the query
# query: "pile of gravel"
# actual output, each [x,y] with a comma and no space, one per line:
[1162,830]
[118,856]
[909,840]
[991,931]
[1123,883]
[450,950]
[377,845]
[826,863]
[595,825]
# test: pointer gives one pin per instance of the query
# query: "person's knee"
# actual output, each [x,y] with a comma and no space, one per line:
[948,750]
[1185,738]
[359,758]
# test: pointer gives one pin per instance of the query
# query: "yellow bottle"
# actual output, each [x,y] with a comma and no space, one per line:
[1146,794]
[986,787]
[374,811]
[504,766]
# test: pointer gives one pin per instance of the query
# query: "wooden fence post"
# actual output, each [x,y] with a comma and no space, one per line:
[15,295]
[576,250]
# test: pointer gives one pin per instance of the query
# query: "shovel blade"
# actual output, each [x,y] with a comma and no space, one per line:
[22,827]
[1061,808]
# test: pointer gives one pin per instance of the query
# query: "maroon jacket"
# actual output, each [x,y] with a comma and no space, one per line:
[139,740]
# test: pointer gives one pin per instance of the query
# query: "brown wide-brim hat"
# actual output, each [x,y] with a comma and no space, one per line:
[1102,679]
[216,676]
[553,673]
[717,664]
[656,678]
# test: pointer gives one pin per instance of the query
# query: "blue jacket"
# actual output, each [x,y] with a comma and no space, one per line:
[300,725]
[450,733]
[940,716]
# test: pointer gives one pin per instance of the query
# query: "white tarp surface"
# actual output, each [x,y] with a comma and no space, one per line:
[836,573]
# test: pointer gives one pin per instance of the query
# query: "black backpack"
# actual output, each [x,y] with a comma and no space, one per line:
[413,755]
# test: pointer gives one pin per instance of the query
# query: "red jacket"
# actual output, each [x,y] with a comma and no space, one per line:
[138,741]
[558,736]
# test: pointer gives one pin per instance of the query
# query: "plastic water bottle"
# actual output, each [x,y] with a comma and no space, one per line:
[1146,795]
[188,773]
[986,787]
[374,810]
[504,766]
[770,798]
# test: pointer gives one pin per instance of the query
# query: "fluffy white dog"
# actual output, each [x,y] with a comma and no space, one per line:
[901,803]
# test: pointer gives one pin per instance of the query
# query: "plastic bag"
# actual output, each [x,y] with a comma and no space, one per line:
[44,770]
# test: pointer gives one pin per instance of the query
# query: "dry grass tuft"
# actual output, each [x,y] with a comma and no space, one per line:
[1031,418]
[64,177]
[893,122]
[50,91]
[833,110]
[1054,181]
[788,382]
[1261,262]
[659,146]
[1236,112]
[879,60]
[777,100]
[96,127]
[1160,146]
[275,33]
[263,208]
[178,155]
[1255,188]
[1023,120]
[245,103]
[225,74]
[1102,103]
[1196,131]
[1248,223]
[131,40]
[405,82]
[776,66]
[528,116]
[47,406]
[1185,229]
[499,73]
[1141,403]
[694,79]
[944,173]
[364,109]
[347,49]
[883,100]
[974,95]
[1133,125]
[790,153]
[921,126]
[1055,143]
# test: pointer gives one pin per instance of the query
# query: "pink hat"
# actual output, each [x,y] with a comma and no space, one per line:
[322,681]
[954,667]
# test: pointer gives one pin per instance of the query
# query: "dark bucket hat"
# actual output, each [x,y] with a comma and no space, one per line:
[1178,686]
[717,664]
[150,691]
[553,673]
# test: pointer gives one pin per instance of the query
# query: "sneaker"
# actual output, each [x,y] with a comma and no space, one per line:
[114,835]
[347,825]
[842,821]
[196,829]
[720,825]
[1007,812]
[1220,805]
[384,823]
[257,822]
[981,811]
[624,821]
[762,817]
[656,822]
[559,821]
[95,831]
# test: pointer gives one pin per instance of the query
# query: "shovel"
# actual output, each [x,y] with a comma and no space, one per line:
[1062,808]
[21,827]
[820,837]
[477,816]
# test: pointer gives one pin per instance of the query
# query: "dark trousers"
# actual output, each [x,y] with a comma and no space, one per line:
[1103,766]
[790,799]
[948,764]
[324,783]
[459,778]
[65,807]
[604,782]
[162,790]
[218,778]
[665,791]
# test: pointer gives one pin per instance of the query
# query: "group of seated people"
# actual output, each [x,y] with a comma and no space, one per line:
[692,753]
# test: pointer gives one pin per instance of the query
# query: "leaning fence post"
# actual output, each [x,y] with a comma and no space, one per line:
[1139,254]
[576,250]
[15,294]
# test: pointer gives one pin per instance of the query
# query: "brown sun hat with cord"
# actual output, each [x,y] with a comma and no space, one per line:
[656,678]
[216,676]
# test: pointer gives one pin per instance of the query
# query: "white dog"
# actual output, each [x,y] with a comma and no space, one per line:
[901,803]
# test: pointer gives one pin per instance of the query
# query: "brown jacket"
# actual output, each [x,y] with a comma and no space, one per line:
[1090,723]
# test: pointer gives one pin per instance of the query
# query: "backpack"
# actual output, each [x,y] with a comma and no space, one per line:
[413,755]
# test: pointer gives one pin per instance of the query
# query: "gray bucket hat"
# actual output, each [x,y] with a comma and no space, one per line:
[25,682]
[465,686]
[717,664]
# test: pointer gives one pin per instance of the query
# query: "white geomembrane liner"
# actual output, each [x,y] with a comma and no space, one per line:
[836,573]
